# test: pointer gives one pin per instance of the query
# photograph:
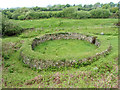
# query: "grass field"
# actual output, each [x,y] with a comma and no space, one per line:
[102,73]
[67,49]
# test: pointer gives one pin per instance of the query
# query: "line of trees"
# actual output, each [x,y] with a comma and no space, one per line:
[97,10]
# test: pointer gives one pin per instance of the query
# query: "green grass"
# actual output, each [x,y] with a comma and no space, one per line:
[89,26]
[27,50]
[68,49]
[102,73]
[55,22]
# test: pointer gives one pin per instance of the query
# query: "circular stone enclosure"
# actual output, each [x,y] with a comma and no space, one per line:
[65,49]
[43,64]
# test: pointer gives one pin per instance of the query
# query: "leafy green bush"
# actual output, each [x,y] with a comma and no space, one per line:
[82,14]
[118,12]
[114,9]
[32,15]
[15,16]
[114,15]
[10,28]
[58,14]
[20,13]
[44,15]
[38,15]
[21,17]
[100,13]
[69,12]
[9,14]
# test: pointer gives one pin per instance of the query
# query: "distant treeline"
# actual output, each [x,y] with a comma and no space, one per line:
[97,10]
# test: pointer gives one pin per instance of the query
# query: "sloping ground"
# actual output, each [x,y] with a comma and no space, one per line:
[103,73]
[80,79]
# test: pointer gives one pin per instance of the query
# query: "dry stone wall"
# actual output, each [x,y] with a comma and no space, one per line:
[43,64]
[57,36]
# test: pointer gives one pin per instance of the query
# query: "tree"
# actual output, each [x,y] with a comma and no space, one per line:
[90,6]
[82,14]
[112,4]
[114,9]
[97,5]
[74,5]
[10,28]
[67,5]
[15,16]
[9,14]
[80,5]
[21,17]
[36,8]
[86,6]
[68,12]
[106,6]
[49,6]
[100,13]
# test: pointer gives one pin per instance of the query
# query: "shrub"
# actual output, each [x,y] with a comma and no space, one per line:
[118,13]
[21,17]
[114,9]
[38,15]
[114,15]
[58,14]
[82,14]
[10,28]
[43,15]
[9,14]
[100,13]
[69,12]
[15,16]
[32,15]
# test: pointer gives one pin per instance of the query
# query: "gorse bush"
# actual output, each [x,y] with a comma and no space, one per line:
[10,28]
[100,13]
